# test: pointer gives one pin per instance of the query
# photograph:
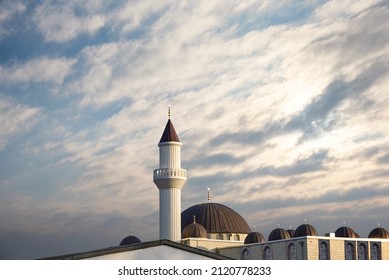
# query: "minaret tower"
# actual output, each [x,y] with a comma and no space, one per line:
[170,179]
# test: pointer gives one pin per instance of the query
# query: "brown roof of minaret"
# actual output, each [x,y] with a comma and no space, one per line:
[169,134]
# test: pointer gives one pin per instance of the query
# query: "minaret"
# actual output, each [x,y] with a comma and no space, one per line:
[169,178]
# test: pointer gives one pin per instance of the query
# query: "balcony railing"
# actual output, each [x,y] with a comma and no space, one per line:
[169,173]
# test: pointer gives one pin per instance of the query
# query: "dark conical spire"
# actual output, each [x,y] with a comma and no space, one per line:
[169,134]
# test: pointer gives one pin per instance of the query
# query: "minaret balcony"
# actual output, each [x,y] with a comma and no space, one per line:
[166,173]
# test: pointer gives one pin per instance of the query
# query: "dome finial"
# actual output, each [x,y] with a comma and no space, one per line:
[194,219]
[209,194]
[168,112]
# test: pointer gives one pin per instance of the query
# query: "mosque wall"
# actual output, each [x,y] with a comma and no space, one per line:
[385,250]
[308,248]
[210,244]
[228,236]
[336,249]
[312,249]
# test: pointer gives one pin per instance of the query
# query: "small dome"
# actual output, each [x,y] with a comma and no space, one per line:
[346,232]
[254,237]
[379,232]
[305,230]
[216,218]
[130,240]
[291,232]
[194,230]
[278,234]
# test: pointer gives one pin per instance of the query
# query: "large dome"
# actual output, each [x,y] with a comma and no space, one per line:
[215,218]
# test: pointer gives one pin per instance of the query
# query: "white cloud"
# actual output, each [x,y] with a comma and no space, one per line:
[60,23]
[15,119]
[272,115]
[42,69]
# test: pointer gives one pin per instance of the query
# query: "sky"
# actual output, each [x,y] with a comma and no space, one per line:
[281,107]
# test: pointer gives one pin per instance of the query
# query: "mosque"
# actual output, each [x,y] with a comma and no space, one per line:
[215,231]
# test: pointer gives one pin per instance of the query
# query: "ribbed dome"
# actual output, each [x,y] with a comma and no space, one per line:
[278,234]
[291,232]
[194,230]
[215,218]
[130,240]
[254,237]
[346,232]
[305,230]
[379,232]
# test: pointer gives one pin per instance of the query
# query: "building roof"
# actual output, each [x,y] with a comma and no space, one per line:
[305,230]
[291,232]
[215,218]
[379,232]
[130,240]
[254,237]
[278,234]
[194,230]
[345,231]
[139,246]
[169,134]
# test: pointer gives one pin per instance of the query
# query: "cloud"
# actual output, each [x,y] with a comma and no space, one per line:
[61,22]
[313,163]
[42,69]
[280,111]
[8,11]
[15,119]
[384,159]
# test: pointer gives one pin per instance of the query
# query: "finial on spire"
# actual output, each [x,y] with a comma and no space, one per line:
[209,194]
[168,112]
[194,219]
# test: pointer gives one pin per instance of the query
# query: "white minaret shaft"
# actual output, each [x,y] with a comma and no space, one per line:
[170,179]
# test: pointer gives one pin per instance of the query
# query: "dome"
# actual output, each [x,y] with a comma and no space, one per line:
[346,232]
[130,240]
[278,234]
[291,232]
[305,230]
[215,218]
[379,232]
[254,237]
[194,230]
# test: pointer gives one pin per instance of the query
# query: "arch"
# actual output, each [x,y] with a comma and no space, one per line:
[324,252]
[219,236]
[349,251]
[375,251]
[245,254]
[362,251]
[292,251]
[268,253]
[236,237]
